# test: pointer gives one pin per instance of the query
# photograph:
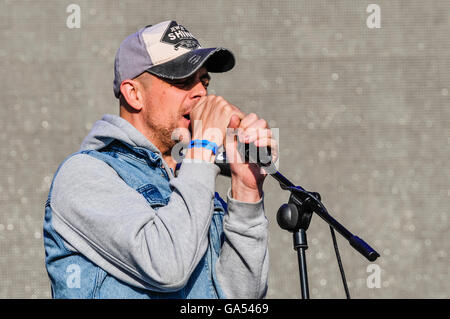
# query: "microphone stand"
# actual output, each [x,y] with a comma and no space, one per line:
[296,215]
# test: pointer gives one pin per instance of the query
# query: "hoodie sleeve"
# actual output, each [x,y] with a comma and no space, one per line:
[112,224]
[243,265]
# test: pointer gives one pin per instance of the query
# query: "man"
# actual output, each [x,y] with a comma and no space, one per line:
[122,222]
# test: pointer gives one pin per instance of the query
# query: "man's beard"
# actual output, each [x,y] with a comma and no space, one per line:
[163,136]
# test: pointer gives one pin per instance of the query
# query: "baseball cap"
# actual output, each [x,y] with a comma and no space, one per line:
[167,50]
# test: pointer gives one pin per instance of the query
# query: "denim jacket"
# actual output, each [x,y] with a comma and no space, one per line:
[74,274]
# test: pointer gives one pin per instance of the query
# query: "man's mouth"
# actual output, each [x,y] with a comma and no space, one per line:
[187,116]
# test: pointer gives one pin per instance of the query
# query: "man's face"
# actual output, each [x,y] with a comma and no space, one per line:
[168,104]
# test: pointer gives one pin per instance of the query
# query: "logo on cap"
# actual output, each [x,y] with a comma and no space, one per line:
[194,59]
[179,36]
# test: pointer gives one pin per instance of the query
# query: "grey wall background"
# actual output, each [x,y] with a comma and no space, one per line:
[363,117]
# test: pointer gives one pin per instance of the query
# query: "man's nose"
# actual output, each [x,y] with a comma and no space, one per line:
[198,90]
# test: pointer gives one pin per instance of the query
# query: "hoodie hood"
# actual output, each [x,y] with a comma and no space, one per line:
[113,127]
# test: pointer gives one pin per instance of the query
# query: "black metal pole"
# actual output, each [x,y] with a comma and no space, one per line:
[300,244]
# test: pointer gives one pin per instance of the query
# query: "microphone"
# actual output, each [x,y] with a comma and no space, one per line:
[250,153]
[221,161]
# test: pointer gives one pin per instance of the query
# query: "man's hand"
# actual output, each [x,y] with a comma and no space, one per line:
[210,118]
[247,178]
[215,119]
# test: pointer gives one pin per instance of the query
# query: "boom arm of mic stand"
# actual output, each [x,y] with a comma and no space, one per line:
[316,205]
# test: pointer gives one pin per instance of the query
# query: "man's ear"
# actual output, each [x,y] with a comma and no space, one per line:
[131,92]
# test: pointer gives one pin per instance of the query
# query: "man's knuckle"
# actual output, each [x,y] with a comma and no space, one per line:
[227,108]
[262,122]
[220,99]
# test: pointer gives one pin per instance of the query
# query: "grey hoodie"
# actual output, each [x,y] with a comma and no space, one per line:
[101,217]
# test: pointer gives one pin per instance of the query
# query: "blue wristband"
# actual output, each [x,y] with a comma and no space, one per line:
[204,143]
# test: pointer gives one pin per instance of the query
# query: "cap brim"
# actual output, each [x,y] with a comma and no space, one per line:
[214,59]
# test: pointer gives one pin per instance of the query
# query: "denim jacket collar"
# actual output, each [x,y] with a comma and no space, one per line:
[115,128]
